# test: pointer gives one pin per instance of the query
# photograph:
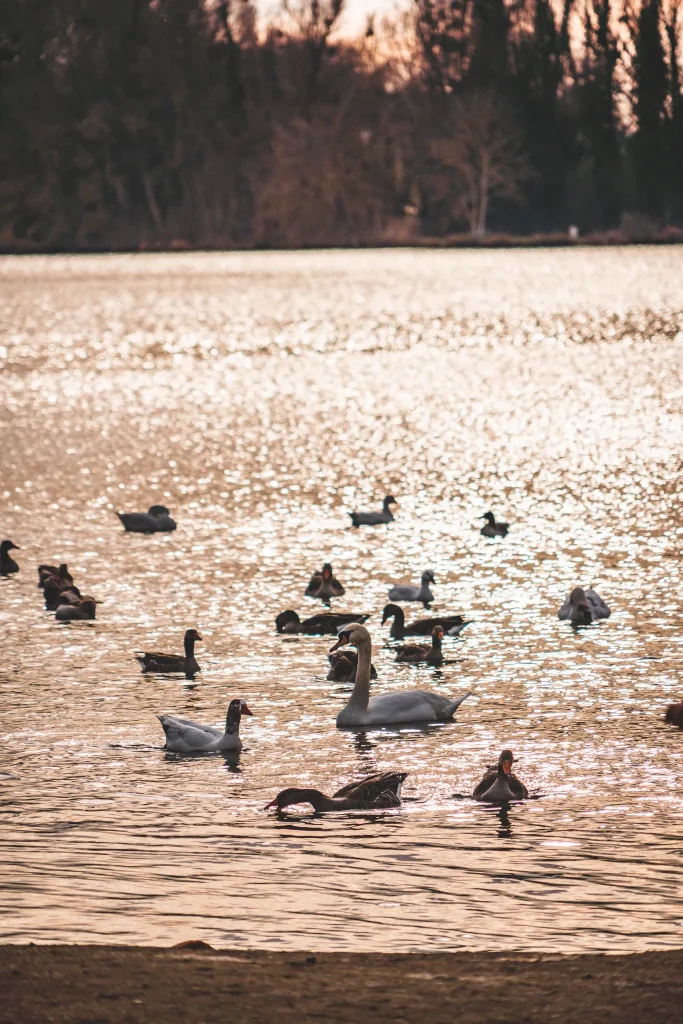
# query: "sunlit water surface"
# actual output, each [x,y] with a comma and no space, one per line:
[260,397]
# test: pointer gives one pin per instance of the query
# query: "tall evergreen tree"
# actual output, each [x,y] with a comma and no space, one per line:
[650,89]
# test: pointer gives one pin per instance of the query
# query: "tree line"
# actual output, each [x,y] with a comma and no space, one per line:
[142,123]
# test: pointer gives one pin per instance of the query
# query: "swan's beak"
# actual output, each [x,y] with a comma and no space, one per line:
[341,642]
[272,806]
[246,711]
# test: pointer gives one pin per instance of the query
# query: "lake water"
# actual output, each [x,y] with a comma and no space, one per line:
[260,397]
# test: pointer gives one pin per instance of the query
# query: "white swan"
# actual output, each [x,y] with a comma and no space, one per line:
[184,736]
[583,607]
[406,592]
[388,708]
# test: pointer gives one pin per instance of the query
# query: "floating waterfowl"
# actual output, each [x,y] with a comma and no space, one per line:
[376,792]
[499,785]
[324,624]
[81,609]
[424,654]
[492,528]
[452,624]
[583,607]
[156,520]
[7,563]
[323,585]
[343,666]
[388,708]
[406,592]
[186,737]
[187,663]
[57,585]
[374,518]
[674,714]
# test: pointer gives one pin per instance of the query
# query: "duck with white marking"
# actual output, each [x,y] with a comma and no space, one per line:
[387,708]
[376,792]
[452,624]
[184,736]
[408,592]
[499,785]
[583,607]
[375,518]
[323,624]
[493,528]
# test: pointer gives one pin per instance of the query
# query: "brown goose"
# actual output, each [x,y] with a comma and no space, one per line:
[79,610]
[7,563]
[375,792]
[421,654]
[452,624]
[322,624]
[343,665]
[323,585]
[499,785]
[155,662]
[674,715]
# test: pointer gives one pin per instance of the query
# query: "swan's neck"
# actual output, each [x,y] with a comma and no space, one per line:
[360,696]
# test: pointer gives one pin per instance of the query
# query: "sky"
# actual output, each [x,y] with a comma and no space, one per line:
[357,11]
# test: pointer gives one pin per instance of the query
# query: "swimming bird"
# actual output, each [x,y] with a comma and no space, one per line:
[419,654]
[7,563]
[323,624]
[376,792]
[492,528]
[156,520]
[323,585]
[79,610]
[185,737]
[499,785]
[374,518]
[343,667]
[187,663]
[674,715]
[406,592]
[583,607]
[57,585]
[388,708]
[452,624]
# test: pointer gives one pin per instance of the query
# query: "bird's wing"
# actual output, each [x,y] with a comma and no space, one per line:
[313,585]
[517,787]
[598,607]
[565,611]
[485,783]
[374,785]
[336,587]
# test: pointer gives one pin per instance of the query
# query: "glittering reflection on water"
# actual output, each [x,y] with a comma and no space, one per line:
[261,397]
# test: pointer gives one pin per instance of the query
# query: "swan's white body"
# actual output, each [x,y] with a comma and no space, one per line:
[598,608]
[388,708]
[184,736]
[405,592]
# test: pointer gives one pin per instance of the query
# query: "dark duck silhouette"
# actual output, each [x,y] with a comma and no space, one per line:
[57,585]
[374,518]
[323,624]
[452,624]
[343,665]
[7,563]
[156,662]
[583,607]
[499,785]
[156,520]
[492,528]
[323,585]
[423,654]
[674,714]
[73,611]
[376,792]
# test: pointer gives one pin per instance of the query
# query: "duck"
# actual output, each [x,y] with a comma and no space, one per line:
[185,737]
[406,592]
[583,607]
[427,654]
[492,528]
[376,792]
[374,518]
[452,624]
[388,708]
[187,663]
[156,520]
[674,714]
[7,563]
[57,585]
[80,610]
[323,624]
[323,585]
[499,785]
[343,666]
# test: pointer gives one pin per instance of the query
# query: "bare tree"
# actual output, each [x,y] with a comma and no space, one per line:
[483,157]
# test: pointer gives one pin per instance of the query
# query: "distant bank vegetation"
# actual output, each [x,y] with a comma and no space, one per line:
[129,124]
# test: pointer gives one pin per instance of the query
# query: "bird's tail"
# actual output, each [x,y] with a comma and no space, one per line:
[456,704]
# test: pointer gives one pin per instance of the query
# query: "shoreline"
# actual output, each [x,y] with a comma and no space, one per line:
[193,983]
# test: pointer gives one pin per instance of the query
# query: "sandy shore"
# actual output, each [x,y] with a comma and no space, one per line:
[108,984]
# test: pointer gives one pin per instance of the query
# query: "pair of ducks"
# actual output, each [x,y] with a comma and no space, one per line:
[583,607]
[383,790]
[156,520]
[62,596]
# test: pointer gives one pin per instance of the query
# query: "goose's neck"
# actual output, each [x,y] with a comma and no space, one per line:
[360,696]
[436,643]
[232,722]
[398,626]
[189,647]
[316,799]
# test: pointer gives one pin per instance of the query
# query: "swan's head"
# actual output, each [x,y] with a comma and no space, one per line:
[389,500]
[506,761]
[327,571]
[192,634]
[158,510]
[428,577]
[353,634]
[389,612]
[8,545]
[489,517]
[287,622]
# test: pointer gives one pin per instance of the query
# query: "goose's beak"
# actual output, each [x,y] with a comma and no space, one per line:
[271,806]
[246,711]
[198,637]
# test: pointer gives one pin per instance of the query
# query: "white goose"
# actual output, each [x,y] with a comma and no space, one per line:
[388,708]
[185,737]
